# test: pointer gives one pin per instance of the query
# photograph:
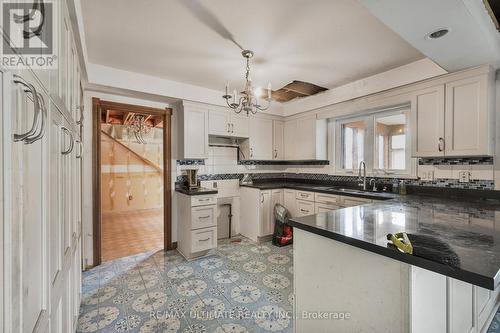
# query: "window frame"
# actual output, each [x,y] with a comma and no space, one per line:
[370,144]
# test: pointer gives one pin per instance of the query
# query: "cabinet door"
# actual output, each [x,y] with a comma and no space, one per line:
[306,138]
[289,136]
[289,202]
[261,138]
[195,133]
[276,198]
[239,126]
[27,293]
[460,306]
[265,213]
[218,122]
[466,118]
[278,140]
[427,125]
[56,247]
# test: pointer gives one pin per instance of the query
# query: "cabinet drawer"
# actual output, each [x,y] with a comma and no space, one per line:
[329,199]
[304,195]
[351,201]
[305,208]
[322,208]
[202,200]
[203,216]
[203,239]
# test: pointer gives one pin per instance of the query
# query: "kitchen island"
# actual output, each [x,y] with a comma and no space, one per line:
[348,279]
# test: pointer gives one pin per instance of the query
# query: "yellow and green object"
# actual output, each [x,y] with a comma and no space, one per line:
[401,241]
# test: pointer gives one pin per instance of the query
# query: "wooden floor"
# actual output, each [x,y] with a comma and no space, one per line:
[125,234]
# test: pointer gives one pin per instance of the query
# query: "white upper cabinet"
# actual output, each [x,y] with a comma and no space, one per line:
[261,138]
[467,118]
[239,125]
[193,133]
[224,123]
[305,138]
[278,140]
[219,122]
[454,119]
[428,122]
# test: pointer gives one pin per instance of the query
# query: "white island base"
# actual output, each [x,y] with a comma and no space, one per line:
[374,293]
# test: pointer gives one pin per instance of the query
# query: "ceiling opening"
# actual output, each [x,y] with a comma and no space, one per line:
[296,89]
[493,7]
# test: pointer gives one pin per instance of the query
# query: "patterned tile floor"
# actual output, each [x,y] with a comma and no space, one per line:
[241,287]
[495,324]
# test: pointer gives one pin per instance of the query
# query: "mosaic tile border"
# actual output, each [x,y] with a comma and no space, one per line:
[487,160]
[190,162]
[282,162]
[334,179]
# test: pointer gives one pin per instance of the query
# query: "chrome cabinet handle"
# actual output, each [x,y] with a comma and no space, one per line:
[204,217]
[204,240]
[232,128]
[228,127]
[304,211]
[275,153]
[29,88]
[262,198]
[80,121]
[40,134]
[80,151]
[251,152]
[440,144]
[72,141]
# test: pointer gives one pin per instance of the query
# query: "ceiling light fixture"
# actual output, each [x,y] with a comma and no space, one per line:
[438,33]
[249,101]
[139,127]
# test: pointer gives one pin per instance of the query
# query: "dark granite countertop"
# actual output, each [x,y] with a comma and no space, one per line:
[468,229]
[197,191]
[329,189]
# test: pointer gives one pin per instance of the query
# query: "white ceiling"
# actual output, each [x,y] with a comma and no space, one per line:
[328,43]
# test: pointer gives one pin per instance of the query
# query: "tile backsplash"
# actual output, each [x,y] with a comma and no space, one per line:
[435,172]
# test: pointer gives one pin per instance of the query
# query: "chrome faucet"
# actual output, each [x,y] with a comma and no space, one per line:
[363,179]
[374,188]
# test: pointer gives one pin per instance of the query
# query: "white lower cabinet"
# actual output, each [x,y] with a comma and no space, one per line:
[197,224]
[257,212]
[457,306]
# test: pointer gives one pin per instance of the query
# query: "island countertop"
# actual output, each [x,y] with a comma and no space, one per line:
[470,229]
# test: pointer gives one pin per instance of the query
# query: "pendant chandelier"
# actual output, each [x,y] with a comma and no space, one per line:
[139,127]
[249,101]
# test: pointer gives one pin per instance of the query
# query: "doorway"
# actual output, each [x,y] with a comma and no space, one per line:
[132,180]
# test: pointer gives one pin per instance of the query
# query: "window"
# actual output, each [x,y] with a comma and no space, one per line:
[390,150]
[353,137]
[380,139]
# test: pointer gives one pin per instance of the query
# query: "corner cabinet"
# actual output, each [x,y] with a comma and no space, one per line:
[455,118]
[258,224]
[193,131]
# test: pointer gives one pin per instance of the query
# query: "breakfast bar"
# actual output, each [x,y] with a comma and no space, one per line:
[346,270]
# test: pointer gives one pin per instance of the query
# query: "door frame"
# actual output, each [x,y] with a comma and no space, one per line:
[97,106]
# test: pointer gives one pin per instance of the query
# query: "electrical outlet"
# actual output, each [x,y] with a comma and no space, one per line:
[464,177]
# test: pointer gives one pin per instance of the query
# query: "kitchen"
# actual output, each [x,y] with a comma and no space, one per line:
[326,167]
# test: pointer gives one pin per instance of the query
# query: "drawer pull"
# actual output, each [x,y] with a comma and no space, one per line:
[330,203]
[303,195]
[304,211]
[204,240]
[206,199]
[204,217]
